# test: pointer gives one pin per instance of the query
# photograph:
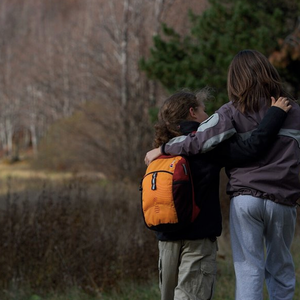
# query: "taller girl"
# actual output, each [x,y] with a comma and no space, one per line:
[263,193]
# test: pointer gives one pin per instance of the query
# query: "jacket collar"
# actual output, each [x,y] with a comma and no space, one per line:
[187,127]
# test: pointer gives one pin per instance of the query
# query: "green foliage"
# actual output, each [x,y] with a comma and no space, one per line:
[153,112]
[226,27]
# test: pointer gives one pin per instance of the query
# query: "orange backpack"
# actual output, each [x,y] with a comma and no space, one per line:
[168,202]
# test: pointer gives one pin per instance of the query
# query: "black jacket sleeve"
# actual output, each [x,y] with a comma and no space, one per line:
[235,151]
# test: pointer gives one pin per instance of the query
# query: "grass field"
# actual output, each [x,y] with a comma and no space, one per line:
[43,242]
[224,286]
[149,290]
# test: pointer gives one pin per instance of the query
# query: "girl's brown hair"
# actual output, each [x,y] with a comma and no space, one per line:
[251,78]
[174,110]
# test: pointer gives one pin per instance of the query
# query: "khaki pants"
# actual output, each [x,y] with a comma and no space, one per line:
[187,269]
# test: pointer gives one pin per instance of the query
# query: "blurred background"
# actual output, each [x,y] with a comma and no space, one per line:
[80,87]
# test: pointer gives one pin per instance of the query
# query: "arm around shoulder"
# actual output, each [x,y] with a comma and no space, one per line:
[236,151]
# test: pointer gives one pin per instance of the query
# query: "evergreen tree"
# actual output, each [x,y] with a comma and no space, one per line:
[202,57]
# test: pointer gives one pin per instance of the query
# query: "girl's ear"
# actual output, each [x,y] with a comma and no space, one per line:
[192,113]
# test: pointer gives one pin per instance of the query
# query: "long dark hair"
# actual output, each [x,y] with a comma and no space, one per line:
[251,78]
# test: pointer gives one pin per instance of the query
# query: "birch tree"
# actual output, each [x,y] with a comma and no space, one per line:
[124,37]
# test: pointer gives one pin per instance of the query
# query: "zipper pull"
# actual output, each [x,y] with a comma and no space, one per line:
[153,181]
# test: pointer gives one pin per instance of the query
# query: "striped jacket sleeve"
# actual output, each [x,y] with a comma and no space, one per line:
[210,133]
[236,151]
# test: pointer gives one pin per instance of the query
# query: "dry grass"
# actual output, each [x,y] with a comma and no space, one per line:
[75,231]
[60,231]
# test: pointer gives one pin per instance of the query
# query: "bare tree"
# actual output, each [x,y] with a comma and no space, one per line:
[58,56]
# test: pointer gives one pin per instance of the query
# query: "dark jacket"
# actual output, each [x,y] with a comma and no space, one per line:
[274,176]
[206,167]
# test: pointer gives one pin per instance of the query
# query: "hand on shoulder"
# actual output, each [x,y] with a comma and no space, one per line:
[282,103]
[151,155]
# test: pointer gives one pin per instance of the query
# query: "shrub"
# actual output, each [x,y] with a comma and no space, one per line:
[79,233]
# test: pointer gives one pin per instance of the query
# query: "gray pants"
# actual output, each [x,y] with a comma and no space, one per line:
[187,269]
[261,236]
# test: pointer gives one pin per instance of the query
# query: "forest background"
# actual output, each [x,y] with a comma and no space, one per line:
[80,87]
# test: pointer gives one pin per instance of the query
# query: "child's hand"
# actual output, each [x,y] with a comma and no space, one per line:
[151,155]
[282,103]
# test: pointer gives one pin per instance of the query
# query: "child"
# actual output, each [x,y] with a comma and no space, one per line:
[187,258]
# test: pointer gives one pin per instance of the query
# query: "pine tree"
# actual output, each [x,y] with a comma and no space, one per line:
[202,57]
